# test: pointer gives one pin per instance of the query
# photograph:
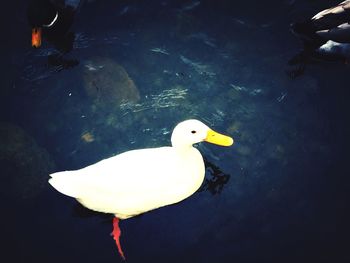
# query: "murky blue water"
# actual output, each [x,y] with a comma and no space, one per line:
[222,63]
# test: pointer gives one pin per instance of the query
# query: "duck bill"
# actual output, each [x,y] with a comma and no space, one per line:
[219,139]
[36,37]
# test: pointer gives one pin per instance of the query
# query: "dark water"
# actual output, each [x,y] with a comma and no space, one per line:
[217,61]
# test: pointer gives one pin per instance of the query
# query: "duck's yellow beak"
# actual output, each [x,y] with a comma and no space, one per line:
[219,139]
[36,37]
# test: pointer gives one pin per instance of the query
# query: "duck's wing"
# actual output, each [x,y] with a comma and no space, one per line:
[339,9]
[332,17]
[121,171]
[133,182]
[339,34]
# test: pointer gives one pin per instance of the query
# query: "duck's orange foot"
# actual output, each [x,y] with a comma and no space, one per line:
[116,235]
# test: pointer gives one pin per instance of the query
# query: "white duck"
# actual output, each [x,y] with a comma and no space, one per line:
[141,180]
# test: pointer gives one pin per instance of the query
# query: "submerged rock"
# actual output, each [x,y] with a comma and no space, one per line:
[25,165]
[108,83]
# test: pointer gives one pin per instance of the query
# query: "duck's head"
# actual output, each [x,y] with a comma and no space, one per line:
[192,131]
[41,14]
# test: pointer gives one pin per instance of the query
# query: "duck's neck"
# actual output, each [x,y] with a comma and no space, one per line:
[180,145]
[179,142]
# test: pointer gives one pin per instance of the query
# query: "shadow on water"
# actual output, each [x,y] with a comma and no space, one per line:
[217,180]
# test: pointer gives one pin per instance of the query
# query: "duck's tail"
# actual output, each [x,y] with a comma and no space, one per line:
[65,182]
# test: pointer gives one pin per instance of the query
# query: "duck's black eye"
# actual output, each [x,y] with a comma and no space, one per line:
[193,132]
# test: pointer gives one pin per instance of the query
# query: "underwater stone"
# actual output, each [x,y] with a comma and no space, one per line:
[108,83]
[25,165]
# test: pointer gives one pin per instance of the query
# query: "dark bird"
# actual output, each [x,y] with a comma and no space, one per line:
[51,20]
[325,36]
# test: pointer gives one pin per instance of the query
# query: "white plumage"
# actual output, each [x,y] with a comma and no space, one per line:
[137,181]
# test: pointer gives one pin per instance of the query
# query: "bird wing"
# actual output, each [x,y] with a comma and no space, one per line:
[135,181]
[339,34]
